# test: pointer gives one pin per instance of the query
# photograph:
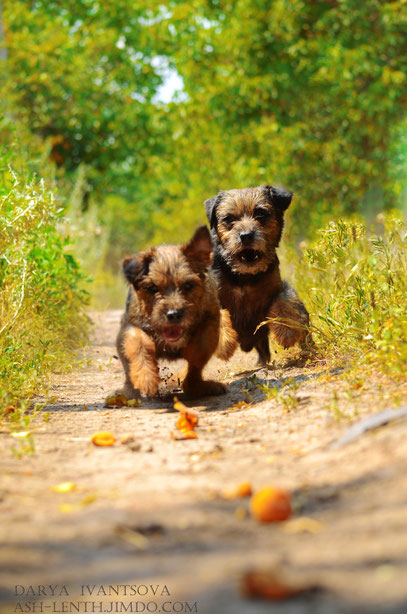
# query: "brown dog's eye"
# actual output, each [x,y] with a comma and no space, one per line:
[152,289]
[229,219]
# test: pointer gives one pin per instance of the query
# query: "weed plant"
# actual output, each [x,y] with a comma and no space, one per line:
[42,294]
[354,282]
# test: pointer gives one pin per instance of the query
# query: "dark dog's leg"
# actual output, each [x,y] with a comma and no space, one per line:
[292,319]
[197,353]
[263,349]
[138,355]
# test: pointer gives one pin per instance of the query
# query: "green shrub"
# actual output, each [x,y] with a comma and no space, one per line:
[354,284]
[42,295]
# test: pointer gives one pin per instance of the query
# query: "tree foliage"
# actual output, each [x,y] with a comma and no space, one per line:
[81,74]
[306,93]
[302,92]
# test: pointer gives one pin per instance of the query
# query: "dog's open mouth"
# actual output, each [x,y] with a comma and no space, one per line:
[250,256]
[172,333]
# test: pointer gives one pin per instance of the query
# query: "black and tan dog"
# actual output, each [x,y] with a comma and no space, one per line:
[172,312]
[246,229]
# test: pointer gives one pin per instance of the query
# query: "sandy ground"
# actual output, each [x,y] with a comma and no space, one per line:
[146,528]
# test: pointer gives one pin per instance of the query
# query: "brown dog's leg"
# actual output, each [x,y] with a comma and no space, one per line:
[197,353]
[227,337]
[293,319]
[138,355]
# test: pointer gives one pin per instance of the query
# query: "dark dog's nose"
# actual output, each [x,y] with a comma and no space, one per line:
[175,315]
[246,236]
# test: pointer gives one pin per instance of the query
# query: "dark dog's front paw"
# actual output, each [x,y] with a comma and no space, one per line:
[194,389]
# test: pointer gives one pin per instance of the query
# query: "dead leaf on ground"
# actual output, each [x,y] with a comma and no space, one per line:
[186,422]
[103,438]
[133,402]
[273,585]
[119,399]
[126,439]
[184,435]
[242,490]
[303,525]
[133,537]
[64,487]
[88,499]
[239,405]
[241,513]
[68,508]
[131,443]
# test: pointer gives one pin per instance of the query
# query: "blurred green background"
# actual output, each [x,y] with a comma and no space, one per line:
[146,109]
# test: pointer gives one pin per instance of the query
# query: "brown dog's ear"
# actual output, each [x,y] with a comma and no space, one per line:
[136,266]
[211,205]
[278,197]
[199,247]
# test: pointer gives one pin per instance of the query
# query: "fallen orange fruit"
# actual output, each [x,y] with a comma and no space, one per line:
[243,490]
[103,438]
[271,505]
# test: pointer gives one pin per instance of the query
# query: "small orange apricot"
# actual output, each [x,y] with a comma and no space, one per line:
[271,504]
[243,490]
[103,438]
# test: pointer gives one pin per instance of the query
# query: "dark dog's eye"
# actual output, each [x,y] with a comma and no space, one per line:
[187,287]
[152,289]
[261,214]
[229,219]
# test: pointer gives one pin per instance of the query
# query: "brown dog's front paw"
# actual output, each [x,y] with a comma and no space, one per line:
[145,380]
[194,389]
[130,392]
[148,383]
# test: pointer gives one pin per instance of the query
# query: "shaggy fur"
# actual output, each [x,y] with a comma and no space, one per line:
[172,312]
[246,229]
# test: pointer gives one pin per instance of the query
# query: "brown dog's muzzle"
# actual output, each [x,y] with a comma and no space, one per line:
[174,316]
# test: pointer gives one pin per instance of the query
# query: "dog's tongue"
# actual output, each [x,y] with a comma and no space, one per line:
[172,333]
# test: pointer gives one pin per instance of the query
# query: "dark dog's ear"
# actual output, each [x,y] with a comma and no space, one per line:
[136,266]
[199,247]
[211,205]
[278,197]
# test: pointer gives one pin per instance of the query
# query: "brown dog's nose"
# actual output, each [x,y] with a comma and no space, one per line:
[246,236]
[174,315]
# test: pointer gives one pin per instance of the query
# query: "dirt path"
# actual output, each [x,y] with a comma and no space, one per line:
[149,515]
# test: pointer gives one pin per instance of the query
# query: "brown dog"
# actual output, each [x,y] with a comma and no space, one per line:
[246,230]
[172,312]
